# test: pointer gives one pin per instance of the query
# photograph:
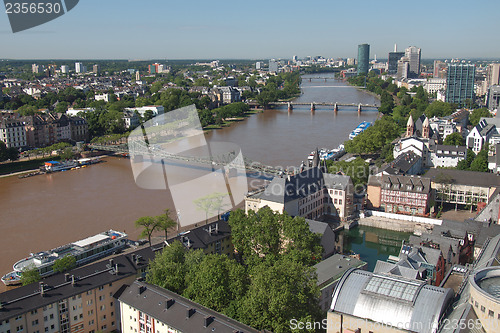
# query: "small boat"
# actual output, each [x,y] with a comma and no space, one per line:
[54,166]
[360,129]
[12,278]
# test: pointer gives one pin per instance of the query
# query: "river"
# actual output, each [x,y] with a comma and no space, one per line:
[42,212]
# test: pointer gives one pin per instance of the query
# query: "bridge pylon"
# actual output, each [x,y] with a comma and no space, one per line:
[359,108]
[290,106]
[313,107]
[335,108]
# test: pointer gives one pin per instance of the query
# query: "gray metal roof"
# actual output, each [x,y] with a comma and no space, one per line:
[332,268]
[391,300]
[461,177]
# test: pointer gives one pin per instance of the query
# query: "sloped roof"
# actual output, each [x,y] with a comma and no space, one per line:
[461,177]
[172,309]
[407,183]
[301,185]
[390,300]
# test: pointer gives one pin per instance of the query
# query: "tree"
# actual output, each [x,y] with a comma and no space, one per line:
[30,275]
[165,222]
[27,110]
[480,162]
[438,109]
[8,153]
[284,236]
[278,292]
[148,224]
[210,203]
[216,282]
[454,139]
[465,163]
[167,270]
[64,264]
[477,114]
[67,154]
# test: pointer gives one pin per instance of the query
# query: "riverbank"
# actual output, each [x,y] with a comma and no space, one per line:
[20,167]
[363,89]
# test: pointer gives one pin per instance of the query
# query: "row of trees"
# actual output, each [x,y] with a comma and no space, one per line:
[374,138]
[219,115]
[270,282]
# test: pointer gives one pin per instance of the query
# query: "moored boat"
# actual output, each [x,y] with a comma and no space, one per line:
[84,251]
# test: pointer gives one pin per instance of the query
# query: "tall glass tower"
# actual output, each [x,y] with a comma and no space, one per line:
[363,58]
[460,83]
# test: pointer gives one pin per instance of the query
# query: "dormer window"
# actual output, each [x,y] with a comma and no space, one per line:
[419,188]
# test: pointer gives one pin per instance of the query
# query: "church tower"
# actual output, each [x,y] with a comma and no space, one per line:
[425,128]
[410,126]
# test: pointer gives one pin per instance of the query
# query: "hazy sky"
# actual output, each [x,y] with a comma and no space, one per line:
[218,29]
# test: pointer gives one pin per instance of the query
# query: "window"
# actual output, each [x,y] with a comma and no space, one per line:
[46,329]
[51,316]
[491,313]
[483,309]
[101,287]
[52,326]
[34,322]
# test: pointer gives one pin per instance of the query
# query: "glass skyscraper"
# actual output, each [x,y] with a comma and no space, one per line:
[393,61]
[460,83]
[363,58]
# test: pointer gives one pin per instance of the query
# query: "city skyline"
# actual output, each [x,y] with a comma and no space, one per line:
[199,30]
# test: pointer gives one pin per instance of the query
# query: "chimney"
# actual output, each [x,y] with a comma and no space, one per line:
[169,303]
[190,312]
[207,321]
[116,268]
[133,257]
[111,262]
[66,277]
[42,291]
[142,289]
[73,280]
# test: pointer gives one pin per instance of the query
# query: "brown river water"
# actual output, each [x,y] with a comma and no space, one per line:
[46,211]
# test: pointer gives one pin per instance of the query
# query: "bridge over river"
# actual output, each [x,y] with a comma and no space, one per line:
[252,168]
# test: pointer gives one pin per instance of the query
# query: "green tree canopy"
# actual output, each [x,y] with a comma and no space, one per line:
[477,114]
[438,109]
[284,236]
[372,140]
[165,222]
[454,139]
[64,264]
[274,296]
[30,275]
[148,225]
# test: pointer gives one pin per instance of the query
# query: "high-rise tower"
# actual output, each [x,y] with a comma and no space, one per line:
[413,55]
[363,58]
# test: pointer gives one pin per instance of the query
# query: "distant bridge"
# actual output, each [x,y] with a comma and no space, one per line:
[325,104]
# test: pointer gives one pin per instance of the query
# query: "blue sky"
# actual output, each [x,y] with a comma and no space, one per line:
[220,29]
